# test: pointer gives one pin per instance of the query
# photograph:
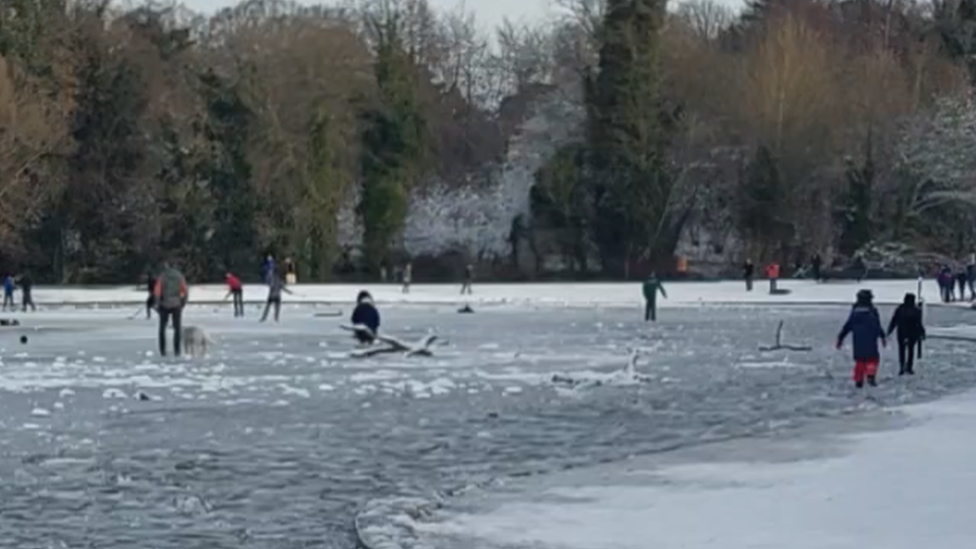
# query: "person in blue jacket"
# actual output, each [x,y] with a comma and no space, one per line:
[366,314]
[8,292]
[864,324]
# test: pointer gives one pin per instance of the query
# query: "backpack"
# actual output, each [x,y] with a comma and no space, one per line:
[172,289]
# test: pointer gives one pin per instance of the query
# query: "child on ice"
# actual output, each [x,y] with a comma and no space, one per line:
[864,324]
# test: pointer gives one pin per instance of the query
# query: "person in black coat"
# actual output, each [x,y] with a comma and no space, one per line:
[907,319]
[748,272]
[26,290]
[366,314]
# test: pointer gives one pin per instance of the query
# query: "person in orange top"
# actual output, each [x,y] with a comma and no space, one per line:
[236,289]
[171,294]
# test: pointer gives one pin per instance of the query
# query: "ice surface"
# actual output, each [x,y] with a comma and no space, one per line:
[679,293]
[898,489]
[287,437]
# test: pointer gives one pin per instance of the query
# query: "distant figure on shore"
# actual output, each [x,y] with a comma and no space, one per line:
[384,272]
[860,268]
[291,275]
[365,314]
[407,277]
[961,279]
[772,273]
[864,323]
[26,296]
[907,320]
[650,289]
[8,293]
[468,278]
[171,293]
[816,266]
[971,274]
[945,280]
[748,272]
[236,290]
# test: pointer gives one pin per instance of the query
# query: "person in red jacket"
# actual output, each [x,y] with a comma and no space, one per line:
[236,289]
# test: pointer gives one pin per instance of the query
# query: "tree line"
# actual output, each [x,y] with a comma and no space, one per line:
[127,135]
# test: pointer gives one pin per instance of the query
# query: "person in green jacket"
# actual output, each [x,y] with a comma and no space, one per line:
[651,287]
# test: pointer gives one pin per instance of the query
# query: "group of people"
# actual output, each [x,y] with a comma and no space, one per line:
[10,285]
[864,325]
[962,277]
[404,275]
[168,294]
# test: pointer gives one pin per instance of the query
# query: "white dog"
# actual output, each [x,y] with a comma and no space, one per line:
[195,341]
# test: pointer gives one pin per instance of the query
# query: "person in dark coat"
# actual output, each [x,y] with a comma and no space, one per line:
[907,319]
[864,324]
[961,278]
[151,298]
[366,314]
[26,292]
[946,283]
[468,278]
[748,273]
[817,265]
[651,287]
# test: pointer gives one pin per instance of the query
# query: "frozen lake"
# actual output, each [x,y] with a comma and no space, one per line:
[279,439]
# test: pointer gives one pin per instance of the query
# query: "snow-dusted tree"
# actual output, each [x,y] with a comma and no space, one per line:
[937,151]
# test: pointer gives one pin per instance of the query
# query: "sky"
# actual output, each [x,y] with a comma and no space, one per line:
[488,12]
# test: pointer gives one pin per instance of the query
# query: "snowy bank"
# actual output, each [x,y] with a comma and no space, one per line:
[568,294]
[897,489]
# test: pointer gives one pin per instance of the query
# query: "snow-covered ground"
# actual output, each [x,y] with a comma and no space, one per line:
[581,294]
[902,488]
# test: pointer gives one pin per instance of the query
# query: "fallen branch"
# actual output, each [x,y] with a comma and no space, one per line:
[780,346]
[393,345]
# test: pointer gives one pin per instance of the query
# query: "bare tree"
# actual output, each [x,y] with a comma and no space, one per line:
[32,127]
[524,54]
[705,18]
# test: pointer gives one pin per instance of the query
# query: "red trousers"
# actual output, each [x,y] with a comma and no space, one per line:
[865,367]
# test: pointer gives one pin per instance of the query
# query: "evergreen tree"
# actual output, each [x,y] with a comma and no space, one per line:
[628,134]
[227,172]
[394,142]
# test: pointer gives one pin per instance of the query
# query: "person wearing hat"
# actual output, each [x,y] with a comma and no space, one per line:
[864,325]
[366,314]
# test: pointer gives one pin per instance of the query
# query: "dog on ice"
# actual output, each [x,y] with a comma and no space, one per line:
[195,341]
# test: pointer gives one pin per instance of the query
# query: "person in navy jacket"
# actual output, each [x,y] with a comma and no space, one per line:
[366,314]
[864,324]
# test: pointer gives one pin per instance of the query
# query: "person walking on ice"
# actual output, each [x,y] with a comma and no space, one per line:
[651,288]
[171,294]
[864,324]
[907,319]
[276,285]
